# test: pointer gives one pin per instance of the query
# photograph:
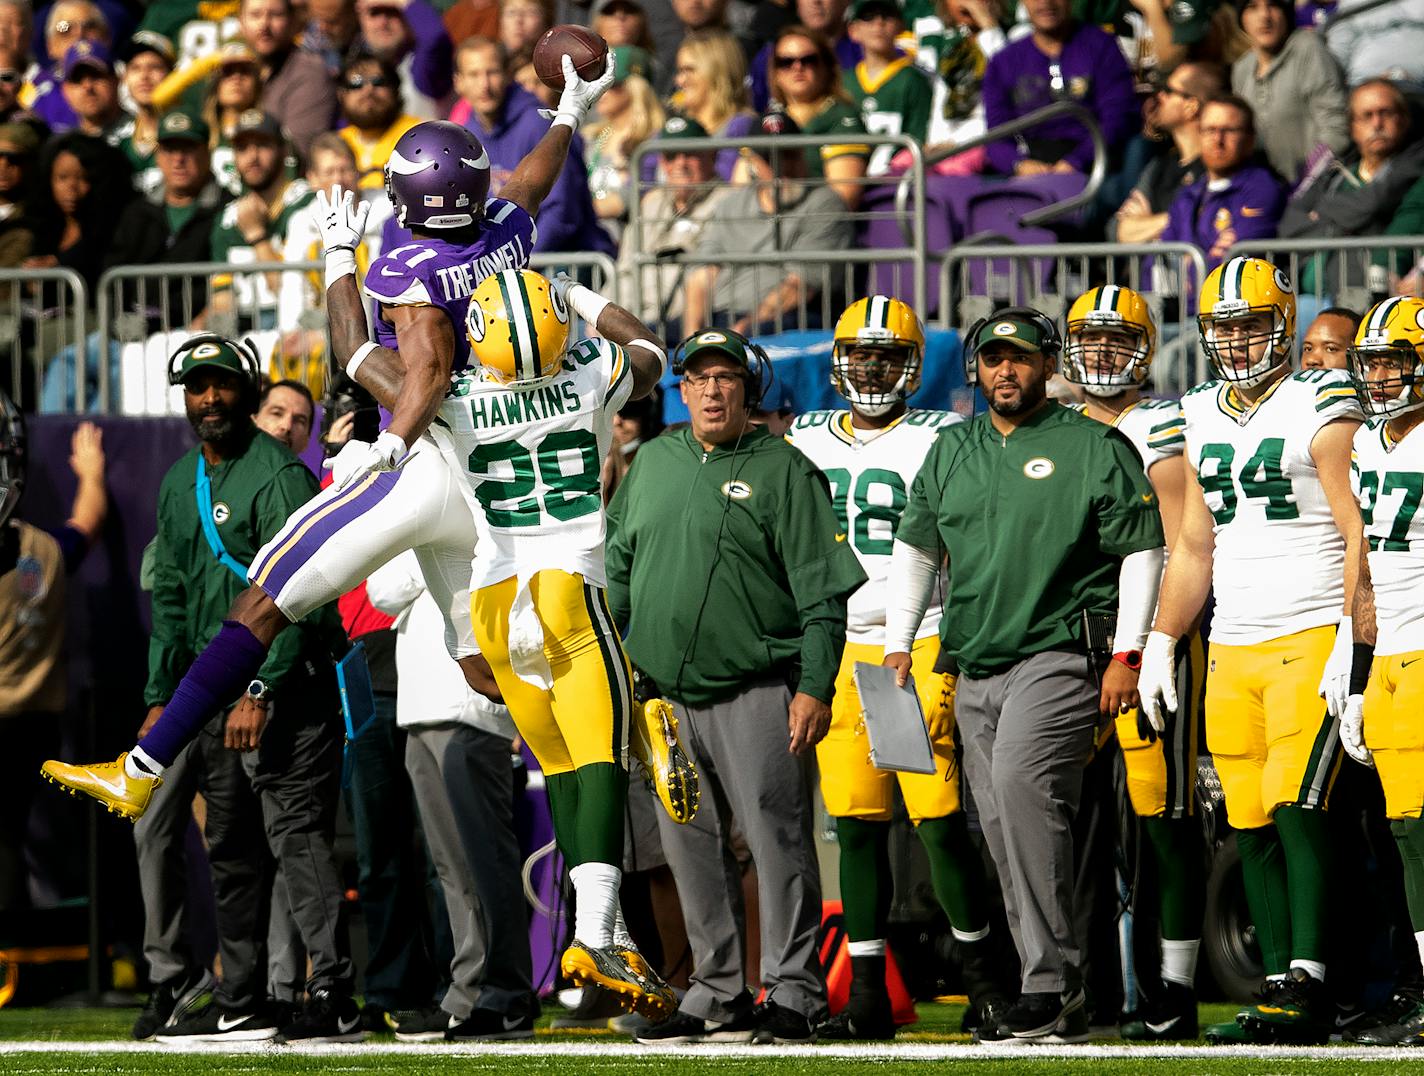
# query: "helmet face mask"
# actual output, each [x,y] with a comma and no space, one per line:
[1247,321]
[1110,341]
[518,328]
[877,355]
[1387,359]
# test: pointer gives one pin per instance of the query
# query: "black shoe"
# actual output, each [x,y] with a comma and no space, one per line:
[1170,1015]
[778,1024]
[422,1025]
[281,1013]
[990,1020]
[1408,1030]
[327,1017]
[684,1028]
[375,1018]
[486,1025]
[170,1002]
[595,1008]
[1407,997]
[861,1025]
[1048,1017]
[215,1024]
[1293,1011]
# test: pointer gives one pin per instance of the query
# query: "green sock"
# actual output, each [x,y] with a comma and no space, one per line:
[1176,848]
[865,876]
[1306,844]
[1263,869]
[563,790]
[956,871]
[1409,836]
[602,797]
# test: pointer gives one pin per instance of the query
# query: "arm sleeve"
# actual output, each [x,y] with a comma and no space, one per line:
[918,524]
[168,651]
[1114,104]
[1329,103]
[290,488]
[994,93]
[1125,504]
[1137,583]
[821,572]
[73,546]
[916,121]
[913,575]
[432,63]
[618,550]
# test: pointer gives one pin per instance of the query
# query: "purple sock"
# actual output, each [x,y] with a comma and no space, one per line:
[219,675]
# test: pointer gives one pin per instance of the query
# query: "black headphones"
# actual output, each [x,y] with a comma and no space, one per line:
[1051,347]
[760,375]
[246,353]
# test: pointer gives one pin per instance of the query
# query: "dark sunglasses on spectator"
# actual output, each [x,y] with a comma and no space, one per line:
[808,60]
[355,82]
[11,157]
[9,78]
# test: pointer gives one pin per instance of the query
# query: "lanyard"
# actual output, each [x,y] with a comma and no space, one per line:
[210,529]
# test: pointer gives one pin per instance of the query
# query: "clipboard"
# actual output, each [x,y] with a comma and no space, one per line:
[899,739]
[358,701]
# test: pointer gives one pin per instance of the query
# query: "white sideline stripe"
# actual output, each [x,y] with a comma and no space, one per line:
[903,1051]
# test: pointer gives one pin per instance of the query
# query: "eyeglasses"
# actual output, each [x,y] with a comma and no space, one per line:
[355,82]
[809,60]
[699,382]
[1172,91]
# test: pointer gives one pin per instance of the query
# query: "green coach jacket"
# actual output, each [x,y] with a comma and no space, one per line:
[252,496]
[729,566]
[1036,524]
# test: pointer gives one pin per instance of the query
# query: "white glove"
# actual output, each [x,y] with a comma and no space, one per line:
[578,96]
[1335,683]
[359,458]
[1157,680]
[1352,731]
[341,218]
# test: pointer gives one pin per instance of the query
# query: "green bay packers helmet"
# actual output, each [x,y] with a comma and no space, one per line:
[884,323]
[518,327]
[1102,366]
[1387,361]
[1234,296]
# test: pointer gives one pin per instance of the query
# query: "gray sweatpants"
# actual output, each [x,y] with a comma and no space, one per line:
[464,791]
[741,748]
[1026,735]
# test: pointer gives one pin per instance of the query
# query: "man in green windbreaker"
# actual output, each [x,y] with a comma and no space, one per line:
[728,569]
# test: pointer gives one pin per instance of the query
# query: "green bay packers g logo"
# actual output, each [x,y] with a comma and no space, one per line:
[1039,467]
[737,490]
[207,351]
[475,321]
[559,307]
[221,513]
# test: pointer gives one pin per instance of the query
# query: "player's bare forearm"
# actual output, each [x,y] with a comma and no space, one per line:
[622,326]
[535,175]
[427,349]
[1330,449]
[1187,580]
[383,372]
[1363,619]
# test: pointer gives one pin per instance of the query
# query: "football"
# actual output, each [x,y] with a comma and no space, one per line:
[587,50]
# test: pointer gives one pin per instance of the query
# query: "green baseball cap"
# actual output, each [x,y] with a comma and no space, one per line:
[1191,19]
[630,60]
[182,125]
[222,355]
[1013,329]
[682,127]
[713,342]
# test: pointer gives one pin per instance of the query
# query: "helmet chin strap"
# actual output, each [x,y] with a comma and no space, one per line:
[1105,392]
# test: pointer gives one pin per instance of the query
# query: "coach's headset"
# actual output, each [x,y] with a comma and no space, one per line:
[1051,347]
[760,375]
[246,353]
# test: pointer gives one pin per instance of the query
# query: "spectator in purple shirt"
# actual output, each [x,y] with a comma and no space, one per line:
[826,17]
[68,23]
[410,36]
[1235,199]
[1061,60]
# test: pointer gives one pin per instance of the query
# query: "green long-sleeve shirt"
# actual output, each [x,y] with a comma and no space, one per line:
[728,565]
[253,493]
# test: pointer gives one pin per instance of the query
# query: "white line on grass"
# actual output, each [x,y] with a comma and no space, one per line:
[909,1051]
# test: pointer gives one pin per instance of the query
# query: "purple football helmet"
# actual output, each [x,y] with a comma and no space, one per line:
[438,176]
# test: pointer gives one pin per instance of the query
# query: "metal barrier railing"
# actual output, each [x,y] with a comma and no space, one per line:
[640,263]
[976,279]
[1354,272]
[43,313]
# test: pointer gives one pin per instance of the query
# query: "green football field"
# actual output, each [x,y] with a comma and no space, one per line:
[96,1041]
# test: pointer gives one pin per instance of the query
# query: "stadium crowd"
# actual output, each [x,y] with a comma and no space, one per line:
[179,132]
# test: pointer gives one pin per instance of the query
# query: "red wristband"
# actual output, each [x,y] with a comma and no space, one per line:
[1131,658]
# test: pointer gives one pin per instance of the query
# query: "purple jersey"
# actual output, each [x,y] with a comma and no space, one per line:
[434,272]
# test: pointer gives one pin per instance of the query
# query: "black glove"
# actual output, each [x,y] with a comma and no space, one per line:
[1144,727]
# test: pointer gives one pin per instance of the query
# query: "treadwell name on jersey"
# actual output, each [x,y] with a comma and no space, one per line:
[459,281]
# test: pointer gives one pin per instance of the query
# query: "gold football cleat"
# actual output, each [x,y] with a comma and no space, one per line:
[639,989]
[107,782]
[666,767]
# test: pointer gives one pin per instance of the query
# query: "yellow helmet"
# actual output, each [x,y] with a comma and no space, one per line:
[877,322]
[1390,341]
[1109,309]
[518,327]
[1235,291]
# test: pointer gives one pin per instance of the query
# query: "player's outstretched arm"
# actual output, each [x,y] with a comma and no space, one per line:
[536,174]
[647,353]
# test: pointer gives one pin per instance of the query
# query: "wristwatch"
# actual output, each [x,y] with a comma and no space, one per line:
[257,692]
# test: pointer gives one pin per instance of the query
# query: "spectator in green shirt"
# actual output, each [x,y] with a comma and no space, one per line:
[893,94]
